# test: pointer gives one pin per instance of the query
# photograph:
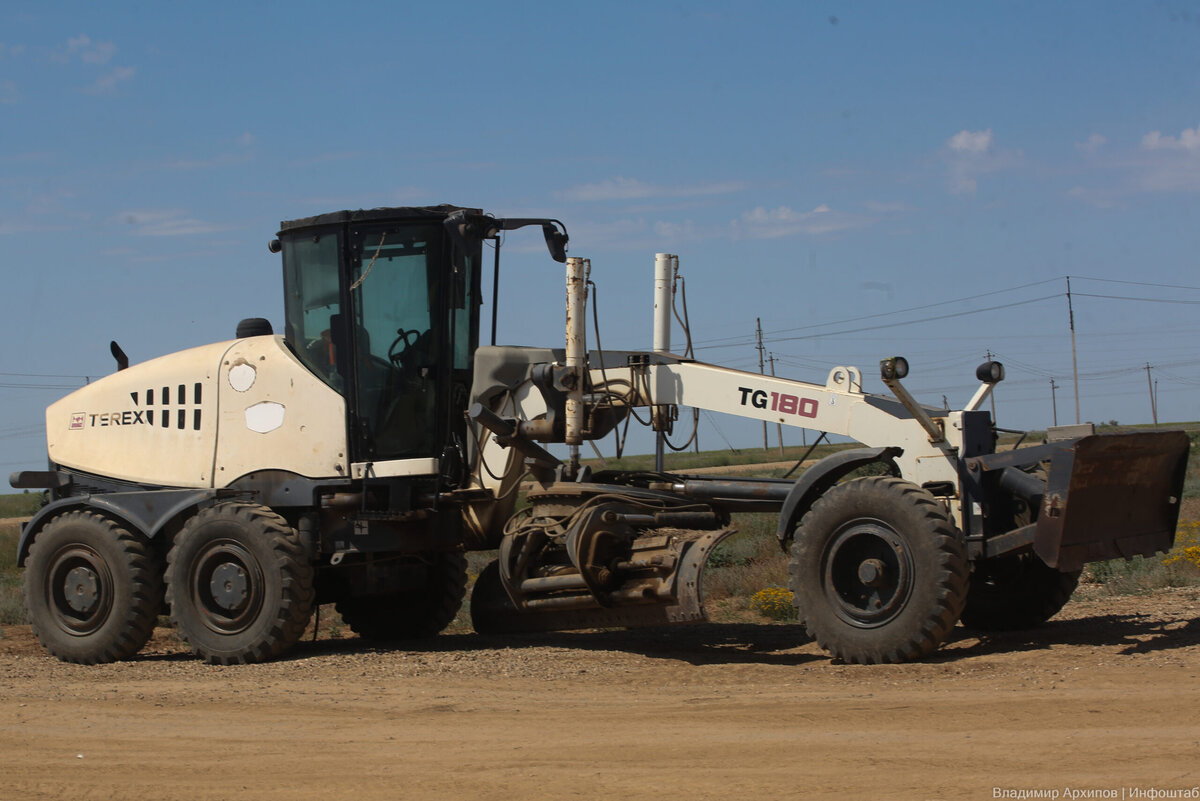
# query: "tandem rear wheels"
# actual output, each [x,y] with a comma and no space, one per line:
[239,584]
[878,571]
[93,590]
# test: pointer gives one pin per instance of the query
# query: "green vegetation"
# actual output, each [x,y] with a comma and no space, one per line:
[23,504]
[12,607]
[1191,485]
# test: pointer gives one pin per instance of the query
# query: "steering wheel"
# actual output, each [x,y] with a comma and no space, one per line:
[405,337]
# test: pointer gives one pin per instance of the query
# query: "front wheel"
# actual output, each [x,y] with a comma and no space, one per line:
[92,589]
[878,571]
[239,584]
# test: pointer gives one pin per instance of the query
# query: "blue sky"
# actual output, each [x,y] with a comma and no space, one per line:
[847,172]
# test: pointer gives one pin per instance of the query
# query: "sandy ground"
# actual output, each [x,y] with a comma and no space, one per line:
[1104,697]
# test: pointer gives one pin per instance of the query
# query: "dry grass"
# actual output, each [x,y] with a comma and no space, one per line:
[12,605]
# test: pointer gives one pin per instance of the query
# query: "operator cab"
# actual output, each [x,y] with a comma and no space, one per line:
[383,306]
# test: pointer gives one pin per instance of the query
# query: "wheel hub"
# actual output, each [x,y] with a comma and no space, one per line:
[227,586]
[868,574]
[872,573]
[82,589]
[79,589]
[230,586]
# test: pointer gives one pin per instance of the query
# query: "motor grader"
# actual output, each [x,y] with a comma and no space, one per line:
[356,457]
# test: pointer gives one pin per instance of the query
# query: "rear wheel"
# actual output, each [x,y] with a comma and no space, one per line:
[420,610]
[878,571]
[239,584]
[1016,592]
[92,589]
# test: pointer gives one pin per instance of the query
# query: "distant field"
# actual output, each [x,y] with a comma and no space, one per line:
[20,504]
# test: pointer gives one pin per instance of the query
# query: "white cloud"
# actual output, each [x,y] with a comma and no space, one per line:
[621,188]
[94,54]
[108,82]
[764,223]
[11,49]
[245,140]
[1092,145]
[1160,164]
[676,232]
[167,222]
[86,50]
[8,92]
[970,141]
[1189,140]
[970,154]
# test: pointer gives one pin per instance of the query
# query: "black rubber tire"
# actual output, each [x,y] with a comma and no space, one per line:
[266,598]
[902,534]
[490,605]
[415,613]
[1016,592]
[117,589]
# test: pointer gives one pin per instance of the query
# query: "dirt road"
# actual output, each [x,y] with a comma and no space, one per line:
[1104,697]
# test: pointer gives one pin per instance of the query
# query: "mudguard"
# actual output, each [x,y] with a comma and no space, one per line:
[814,481]
[144,512]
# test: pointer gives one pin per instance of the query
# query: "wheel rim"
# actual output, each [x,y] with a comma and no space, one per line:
[80,589]
[867,573]
[226,586]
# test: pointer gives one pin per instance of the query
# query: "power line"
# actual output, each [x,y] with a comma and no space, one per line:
[46,375]
[1137,283]
[8,385]
[741,340]
[1145,300]
[915,322]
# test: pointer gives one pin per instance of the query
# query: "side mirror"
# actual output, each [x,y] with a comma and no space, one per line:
[556,243]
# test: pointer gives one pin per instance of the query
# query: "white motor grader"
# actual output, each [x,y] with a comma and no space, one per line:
[355,458]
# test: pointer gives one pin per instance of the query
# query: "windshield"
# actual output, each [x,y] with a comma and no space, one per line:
[394,282]
[312,301]
[386,313]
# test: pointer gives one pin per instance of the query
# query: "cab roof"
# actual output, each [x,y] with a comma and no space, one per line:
[417,213]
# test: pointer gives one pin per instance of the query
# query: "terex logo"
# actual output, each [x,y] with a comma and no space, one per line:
[117,419]
[778,402]
[167,415]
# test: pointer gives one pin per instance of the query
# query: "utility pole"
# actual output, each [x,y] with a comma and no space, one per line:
[771,359]
[1153,399]
[1074,360]
[761,369]
[1054,400]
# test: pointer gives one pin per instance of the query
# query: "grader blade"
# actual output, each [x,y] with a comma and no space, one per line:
[641,601]
[1111,497]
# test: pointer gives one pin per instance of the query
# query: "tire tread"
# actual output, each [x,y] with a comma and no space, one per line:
[950,581]
[145,595]
[296,579]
